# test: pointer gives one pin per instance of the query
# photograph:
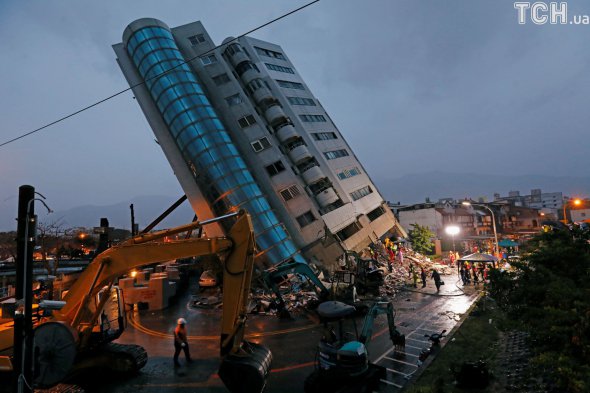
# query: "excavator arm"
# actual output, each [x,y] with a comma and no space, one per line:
[398,339]
[244,367]
[79,311]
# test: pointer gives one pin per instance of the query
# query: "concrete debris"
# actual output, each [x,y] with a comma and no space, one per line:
[397,272]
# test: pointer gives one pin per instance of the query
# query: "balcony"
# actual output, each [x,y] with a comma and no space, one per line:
[327,197]
[274,114]
[313,175]
[249,75]
[262,94]
[300,154]
[238,57]
[287,133]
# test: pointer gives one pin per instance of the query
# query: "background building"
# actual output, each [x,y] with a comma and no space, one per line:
[242,129]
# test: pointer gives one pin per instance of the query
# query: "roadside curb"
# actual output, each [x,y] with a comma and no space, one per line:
[431,358]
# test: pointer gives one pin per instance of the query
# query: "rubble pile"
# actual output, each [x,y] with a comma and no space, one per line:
[298,294]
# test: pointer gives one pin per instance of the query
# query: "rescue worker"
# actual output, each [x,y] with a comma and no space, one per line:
[181,342]
[423,277]
[437,280]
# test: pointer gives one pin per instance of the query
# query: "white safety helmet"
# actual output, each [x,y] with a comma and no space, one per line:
[181,321]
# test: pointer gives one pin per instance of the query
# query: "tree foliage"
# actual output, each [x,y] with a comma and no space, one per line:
[547,294]
[421,239]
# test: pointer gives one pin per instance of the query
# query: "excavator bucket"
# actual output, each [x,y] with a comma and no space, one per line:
[247,371]
[399,341]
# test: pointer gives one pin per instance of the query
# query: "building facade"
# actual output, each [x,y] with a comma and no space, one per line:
[241,129]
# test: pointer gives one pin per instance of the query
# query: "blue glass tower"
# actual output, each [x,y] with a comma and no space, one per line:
[201,137]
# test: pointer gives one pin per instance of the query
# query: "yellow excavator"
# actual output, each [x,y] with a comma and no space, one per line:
[78,332]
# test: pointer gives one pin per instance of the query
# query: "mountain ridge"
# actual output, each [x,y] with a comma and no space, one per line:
[407,189]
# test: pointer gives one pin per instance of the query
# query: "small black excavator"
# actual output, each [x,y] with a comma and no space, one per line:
[342,361]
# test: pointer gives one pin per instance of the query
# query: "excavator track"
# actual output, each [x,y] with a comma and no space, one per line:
[126,358]
[62,388]
[118,358]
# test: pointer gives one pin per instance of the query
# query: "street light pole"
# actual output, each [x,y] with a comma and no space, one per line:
[467,203]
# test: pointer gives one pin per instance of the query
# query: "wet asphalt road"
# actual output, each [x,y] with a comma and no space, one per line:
[292,342]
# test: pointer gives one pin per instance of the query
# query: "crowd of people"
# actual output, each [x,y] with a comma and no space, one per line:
[474,272]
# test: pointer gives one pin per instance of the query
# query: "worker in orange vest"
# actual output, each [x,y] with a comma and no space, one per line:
[181,342]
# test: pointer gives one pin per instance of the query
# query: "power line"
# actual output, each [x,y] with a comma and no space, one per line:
[153,77]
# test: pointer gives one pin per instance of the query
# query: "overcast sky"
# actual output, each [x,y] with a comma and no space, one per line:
[414,86]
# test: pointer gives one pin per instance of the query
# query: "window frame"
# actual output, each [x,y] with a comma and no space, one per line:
[262,145]
[306,219]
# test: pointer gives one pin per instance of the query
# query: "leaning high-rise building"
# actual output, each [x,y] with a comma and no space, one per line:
[242,130]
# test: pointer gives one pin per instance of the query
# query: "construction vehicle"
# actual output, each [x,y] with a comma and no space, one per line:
[342,361]
[357,276]
[365,274]
[78,332]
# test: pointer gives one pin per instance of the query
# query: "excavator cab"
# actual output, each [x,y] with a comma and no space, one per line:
[343,361]
[339,350]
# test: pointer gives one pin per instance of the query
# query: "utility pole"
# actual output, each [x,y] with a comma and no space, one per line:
[23,321]
[133,232]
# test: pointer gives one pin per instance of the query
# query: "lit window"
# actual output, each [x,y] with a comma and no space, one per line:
[260,144]
[197,39]
[305,219]
[290,193]
[236,99]
[275,168]
[208,59]
[246,121]
[330,155]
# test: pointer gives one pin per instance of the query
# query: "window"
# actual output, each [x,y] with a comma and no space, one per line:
[330,155]
[279,68]
[275,168]
[246,121]
[361,192]
[197,39]
[290,85]
[301,101]
[312,118]
[324,136]
[221,79]
[345,174]
[348,231]
[236,99]
[305,219]
[269,53]
[260,144]
[208,59]
[290,193]
[375,213]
